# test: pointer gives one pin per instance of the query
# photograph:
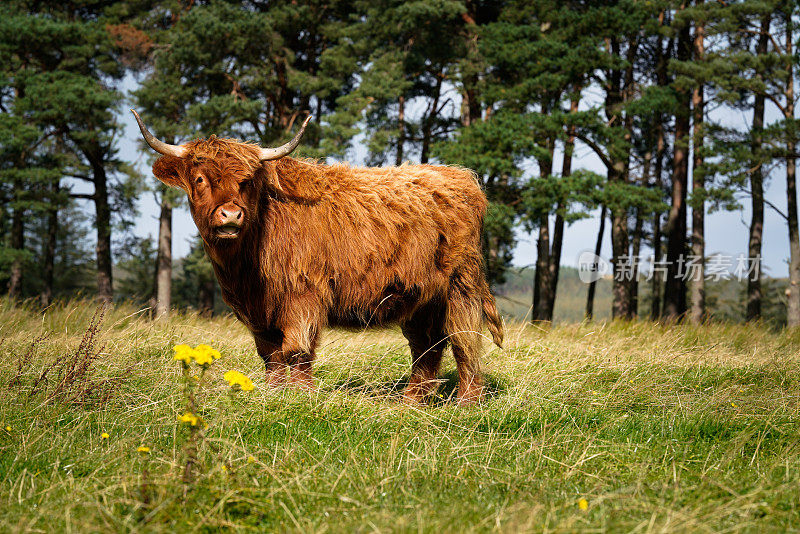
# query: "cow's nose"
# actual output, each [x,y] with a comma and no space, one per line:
[229,215]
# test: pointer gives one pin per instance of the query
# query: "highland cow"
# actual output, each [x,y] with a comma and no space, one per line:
[298,245]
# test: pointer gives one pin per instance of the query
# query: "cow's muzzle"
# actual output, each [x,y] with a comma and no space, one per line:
[228,231]
[228,221]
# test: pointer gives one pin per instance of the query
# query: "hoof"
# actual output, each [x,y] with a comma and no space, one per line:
[304,385]
[301,379]
[473,395]
[413,397]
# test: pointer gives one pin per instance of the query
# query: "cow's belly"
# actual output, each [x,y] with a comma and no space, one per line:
[392,305]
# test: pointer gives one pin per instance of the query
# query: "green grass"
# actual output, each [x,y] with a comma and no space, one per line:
[658,428]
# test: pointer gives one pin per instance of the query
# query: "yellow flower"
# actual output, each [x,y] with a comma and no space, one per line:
[235,378]
[224,467]
[203,358]
[183,353]
[251,459]
[583,504]
[143,450]
[189,417]
[232,376]
[104,435]
[205,355]
[8,428]
[205,349]
[202,354]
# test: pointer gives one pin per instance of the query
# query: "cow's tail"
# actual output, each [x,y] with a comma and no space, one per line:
[490,314]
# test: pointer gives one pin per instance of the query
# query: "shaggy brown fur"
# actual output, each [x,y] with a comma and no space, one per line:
[344,246]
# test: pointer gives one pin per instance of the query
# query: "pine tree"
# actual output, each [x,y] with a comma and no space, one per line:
[742,70]
[674,307]
[622,34]
[64,85]
[759,63]
[698,291]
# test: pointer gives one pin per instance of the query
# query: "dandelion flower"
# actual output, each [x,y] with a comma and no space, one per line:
[203,358]
[232,377]
[143,450]
[583,504]
[183,353]
[8,428]
[205,349]
[224,467]
[104,435]
[189,417]
[235,378]
[251,459]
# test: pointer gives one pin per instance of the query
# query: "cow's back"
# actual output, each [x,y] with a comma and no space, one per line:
[380,240]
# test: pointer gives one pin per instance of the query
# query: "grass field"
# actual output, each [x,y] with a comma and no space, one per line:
[657,428]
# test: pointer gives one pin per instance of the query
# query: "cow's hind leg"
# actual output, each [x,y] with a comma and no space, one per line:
[463,321]
[426,338]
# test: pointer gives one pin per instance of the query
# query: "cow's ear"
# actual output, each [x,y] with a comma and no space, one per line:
[295,180]
[169,170]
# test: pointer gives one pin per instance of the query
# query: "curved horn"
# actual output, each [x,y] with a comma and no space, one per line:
[285,150]
[159,146]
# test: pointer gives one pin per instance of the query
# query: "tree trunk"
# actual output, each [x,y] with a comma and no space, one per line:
[17,244]
[401,125]
[757,219]
[655,284]
[542,299]
[163,289]
[675,286]
[470,101]
[662,59]
[555,260]
[206,296]
[427,121]
[617,172]
[698,284]
[754,294]
[630,282]
[619,248]
[46,297]
[541,294]
[793,308]
[636,248]
[105,292]
[754,241]
[793,293]
[558,227]
[597,249]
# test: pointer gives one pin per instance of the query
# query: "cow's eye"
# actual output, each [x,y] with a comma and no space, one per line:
[198,180]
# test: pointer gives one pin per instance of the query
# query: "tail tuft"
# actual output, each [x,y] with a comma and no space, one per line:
[492,317]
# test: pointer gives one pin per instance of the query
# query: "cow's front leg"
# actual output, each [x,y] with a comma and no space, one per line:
[268,345]
[298,350]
